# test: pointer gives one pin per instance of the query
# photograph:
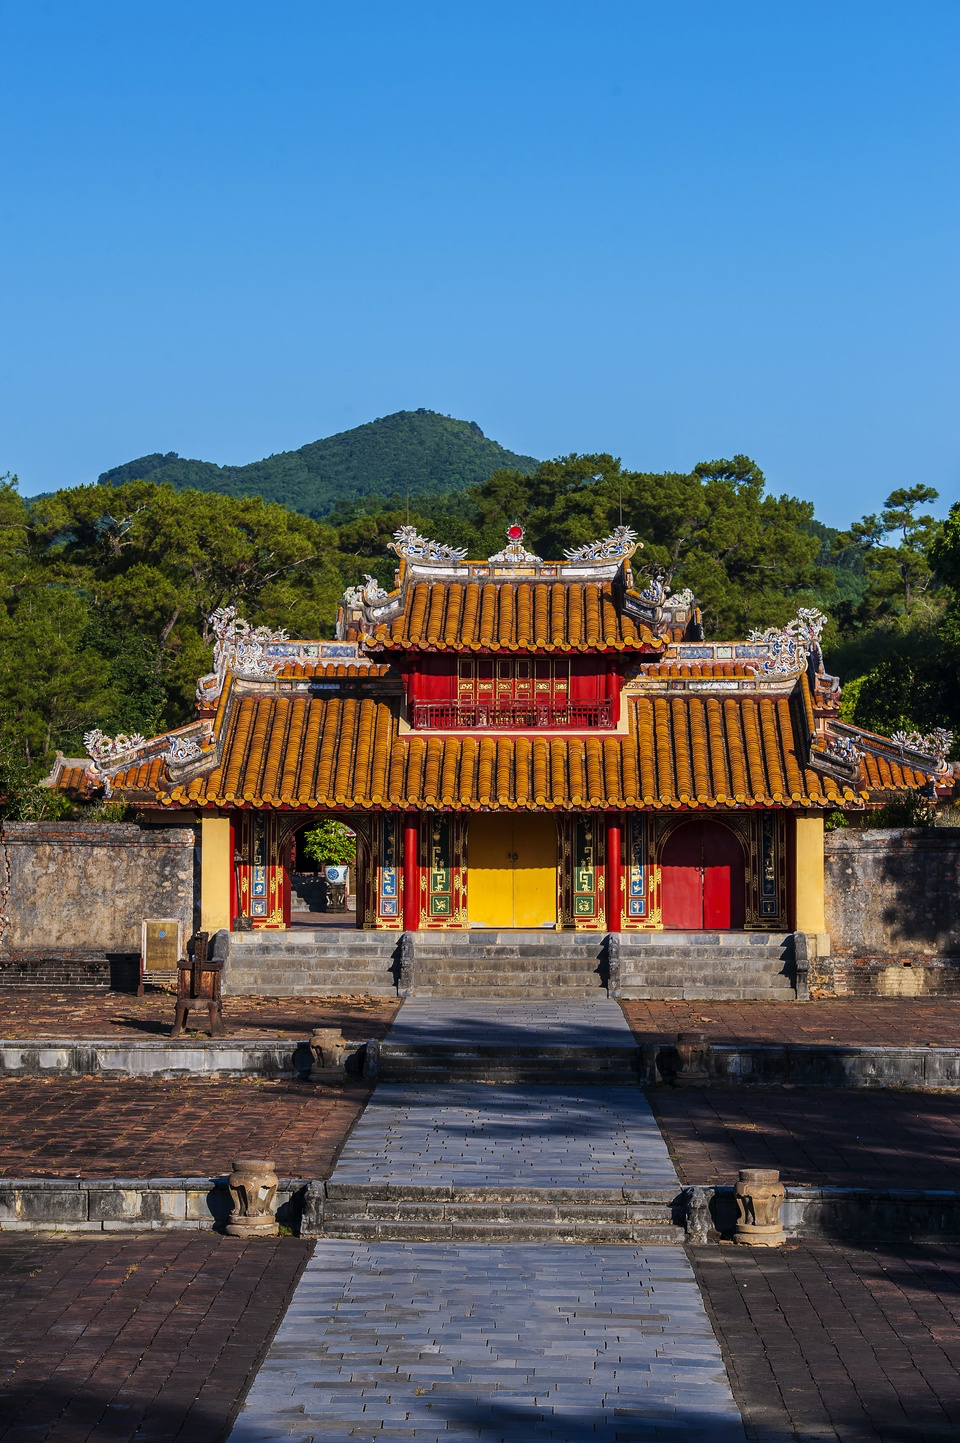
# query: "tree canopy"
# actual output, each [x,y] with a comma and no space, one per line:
[106,590]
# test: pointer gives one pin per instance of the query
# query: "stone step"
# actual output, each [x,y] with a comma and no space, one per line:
[308,983]
[556,976]
[506,1232]
[533,991]
[705,967]
[544,1074]
[697,992]
[511,1214]
[431,950]
[666,936]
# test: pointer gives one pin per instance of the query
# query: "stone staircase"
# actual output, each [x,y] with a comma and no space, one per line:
[707,966]
[501,965]
[491,965]
[321,962]
[384,1211]
[490,1062]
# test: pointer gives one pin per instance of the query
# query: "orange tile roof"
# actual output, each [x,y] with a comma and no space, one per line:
[359,670]
[348,752]
[682,749]
[512,616]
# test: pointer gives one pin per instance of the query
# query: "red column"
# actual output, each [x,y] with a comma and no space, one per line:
[613,873]
[411,872]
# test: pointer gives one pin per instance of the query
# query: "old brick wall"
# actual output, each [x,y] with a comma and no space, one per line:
[76,894]
[893,913]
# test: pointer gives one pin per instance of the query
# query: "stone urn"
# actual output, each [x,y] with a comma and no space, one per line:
[691,1060]
[759,1194]
[253,1196]
[329,1052]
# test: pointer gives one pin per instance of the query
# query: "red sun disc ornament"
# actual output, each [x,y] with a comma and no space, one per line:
[514,533]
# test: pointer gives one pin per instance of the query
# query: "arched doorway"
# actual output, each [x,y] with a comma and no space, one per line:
[310,900]
[512,870]
[702,878]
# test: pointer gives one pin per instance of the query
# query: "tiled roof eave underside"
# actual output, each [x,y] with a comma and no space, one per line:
[682,751]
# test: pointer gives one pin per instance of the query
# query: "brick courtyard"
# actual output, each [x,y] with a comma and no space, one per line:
[139,1128]
[86,1012]
[135,1338]
[830,1342]
[831,1138]
[900,1022]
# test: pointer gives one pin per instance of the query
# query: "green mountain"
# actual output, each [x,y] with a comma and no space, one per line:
[430,454]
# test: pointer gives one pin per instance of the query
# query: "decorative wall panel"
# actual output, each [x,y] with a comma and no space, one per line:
[443,894]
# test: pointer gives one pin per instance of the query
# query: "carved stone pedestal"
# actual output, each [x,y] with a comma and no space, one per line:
[253,1195]
[329,1052]
[759,1194]
[691,1060]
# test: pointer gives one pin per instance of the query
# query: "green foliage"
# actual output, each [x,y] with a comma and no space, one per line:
[330,844]
[21,800]
[896,575]
[419,453]
[747,556]
[105,594]
[835,822]
[907,809]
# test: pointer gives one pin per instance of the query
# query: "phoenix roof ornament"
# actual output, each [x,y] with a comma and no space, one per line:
[408,543]
[623,542]
[792,645]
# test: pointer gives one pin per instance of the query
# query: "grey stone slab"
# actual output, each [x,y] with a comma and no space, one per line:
[507,1344]
[532,1136]
[584,1022]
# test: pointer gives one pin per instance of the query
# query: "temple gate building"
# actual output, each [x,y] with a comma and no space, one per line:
[519,744]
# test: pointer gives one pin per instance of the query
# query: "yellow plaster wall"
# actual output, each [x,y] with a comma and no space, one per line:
[809,874]
[215,864]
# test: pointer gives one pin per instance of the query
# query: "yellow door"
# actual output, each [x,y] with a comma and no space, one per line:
[512,871]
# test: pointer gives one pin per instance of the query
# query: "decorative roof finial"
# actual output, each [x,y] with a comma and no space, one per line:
[514,552]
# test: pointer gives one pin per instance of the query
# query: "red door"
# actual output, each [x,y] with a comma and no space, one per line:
[702,879]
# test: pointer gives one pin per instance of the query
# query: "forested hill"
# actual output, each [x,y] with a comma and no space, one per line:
[430,454]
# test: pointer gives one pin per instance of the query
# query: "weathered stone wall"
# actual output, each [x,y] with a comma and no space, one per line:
[893,913]
[76,894]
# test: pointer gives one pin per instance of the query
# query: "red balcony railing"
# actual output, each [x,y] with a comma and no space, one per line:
[512,715]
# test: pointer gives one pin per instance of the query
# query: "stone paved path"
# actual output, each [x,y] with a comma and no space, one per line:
[590,1022]
[508,1342]
[444,1343]
[470,1134]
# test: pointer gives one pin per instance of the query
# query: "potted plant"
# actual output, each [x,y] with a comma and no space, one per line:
[333,847]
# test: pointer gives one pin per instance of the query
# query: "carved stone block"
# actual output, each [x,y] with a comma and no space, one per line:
[690,1069]
[253,1195]
[329,1051]
[759,1195]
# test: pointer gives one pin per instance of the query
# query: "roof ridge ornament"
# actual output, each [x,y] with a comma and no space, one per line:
[793,645]
[620,544]
[935,744]
[241,647]
[365,595]
[106,750]
[515,553]
[411,546]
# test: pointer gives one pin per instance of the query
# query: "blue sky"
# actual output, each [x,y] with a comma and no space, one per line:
[671,230]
